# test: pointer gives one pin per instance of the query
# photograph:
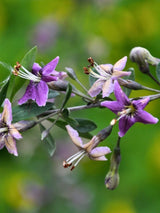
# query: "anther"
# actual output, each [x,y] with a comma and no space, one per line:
[86,71]
[91,61]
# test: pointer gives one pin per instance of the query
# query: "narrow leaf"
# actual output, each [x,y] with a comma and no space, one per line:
[48,141]
[68,95]
[158,71]
[27,111]
[3,91]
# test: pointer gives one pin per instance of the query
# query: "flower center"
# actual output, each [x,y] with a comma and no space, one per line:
[76,157]
[100,73]
[3,128]
[127,111]
[22,72]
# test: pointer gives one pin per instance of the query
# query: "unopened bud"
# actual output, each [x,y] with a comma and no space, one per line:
[58,85]
[112,177]
[104,133]
[24,125]
[112,180]
[71,73]
[142,57]
[130,84]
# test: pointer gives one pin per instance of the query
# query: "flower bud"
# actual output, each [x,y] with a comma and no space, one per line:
[130,84]
[142,57]
[24,125]
[104,133]
[112,180]
[71,73]
[58,85]
[112,177]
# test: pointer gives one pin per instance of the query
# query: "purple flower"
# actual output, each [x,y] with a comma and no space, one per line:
[37,90]
[106,74]
[8,133]
[90,149]
[129,112]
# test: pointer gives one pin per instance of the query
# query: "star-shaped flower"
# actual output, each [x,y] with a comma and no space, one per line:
[8,133]
[106,74]
[37,90]
[129,112]
[89,149]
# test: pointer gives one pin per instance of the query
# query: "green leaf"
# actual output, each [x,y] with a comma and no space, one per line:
[158,71]
[62,124]
[127,91]
[69,120]
[3,91]
[26,62]
[48,141]
[27,111]
[6,71]
[68,95]
[85,125]
[53,94]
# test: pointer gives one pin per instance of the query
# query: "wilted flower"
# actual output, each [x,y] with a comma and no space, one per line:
[8,133]
[37,89]
[106,74]
[89,149]
[129,112]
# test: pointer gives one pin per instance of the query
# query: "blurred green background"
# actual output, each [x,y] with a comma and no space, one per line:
[76,29]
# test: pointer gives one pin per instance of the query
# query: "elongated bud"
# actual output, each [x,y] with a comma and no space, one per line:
[58,85]
[112,180]
[130,84]
[112,177]
[104,133]
[24,125]
[71,73]
[142,57]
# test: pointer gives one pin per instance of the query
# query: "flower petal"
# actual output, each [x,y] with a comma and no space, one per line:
[7,112]
[36,68]
[60,75]
[50,67]
[107,67]
[120,65]
[14,132]
[29,93]
[2,143]
[124,124]
[49,78]
[145,117]
[41,93]
[100,151]
[120,95]
[96,88]
[108,87]
[10,144]
[114,106]
[117,74]
[141,103]
[101,158]
[74,136]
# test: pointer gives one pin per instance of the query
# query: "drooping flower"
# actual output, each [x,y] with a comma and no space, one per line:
[8,133]
[90,149]
[37,90]
[106,74]
[129,112]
